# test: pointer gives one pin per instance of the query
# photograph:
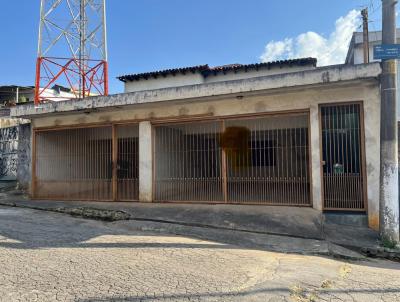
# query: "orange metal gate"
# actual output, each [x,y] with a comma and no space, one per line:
[342,157]
[93,163]
[258,160]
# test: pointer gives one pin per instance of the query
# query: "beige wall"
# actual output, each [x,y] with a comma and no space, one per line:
[306,98]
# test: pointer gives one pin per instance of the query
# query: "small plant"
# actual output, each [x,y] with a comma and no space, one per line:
[326,284]
[387,243]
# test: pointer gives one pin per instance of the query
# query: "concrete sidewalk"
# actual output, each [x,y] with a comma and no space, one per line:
[298,222]
[289,221]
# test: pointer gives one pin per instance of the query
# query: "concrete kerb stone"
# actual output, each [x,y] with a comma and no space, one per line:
[83,212]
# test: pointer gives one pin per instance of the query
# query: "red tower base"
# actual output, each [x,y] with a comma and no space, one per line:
[80,78]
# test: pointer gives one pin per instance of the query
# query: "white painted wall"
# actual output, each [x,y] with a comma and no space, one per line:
[189,78]
[239,75]
[164,82]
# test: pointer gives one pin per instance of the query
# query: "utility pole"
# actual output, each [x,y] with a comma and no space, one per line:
[389,184]
[364,14]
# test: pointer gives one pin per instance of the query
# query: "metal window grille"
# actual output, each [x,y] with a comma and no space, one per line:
[342,157]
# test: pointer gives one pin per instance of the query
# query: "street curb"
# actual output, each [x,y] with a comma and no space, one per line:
[116,215]
[334,250]
[83,212]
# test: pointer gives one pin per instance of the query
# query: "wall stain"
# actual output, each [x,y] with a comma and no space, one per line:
[183,111]
[81,120]
[373,221]
[260,107]
[235,142]
[325,77]
[105,118]
[211,110]
[370,168]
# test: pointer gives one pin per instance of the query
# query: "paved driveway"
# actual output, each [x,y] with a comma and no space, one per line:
[54,257]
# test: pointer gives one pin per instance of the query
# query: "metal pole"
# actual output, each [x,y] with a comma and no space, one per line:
[105,48]
[389,186]
[364,14]
[82,52]
[17,95]
[39,49]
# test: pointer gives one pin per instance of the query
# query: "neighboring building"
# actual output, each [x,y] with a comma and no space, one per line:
[281,133]
[355,54]
[11,95]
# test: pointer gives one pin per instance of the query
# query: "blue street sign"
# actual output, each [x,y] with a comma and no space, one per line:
[387,52]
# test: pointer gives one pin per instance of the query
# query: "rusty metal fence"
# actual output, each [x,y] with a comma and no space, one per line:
[188,164]
[96,163]
[342,154]
[262,160]
[127,162]
[274,165]
[74,164]
[257,160]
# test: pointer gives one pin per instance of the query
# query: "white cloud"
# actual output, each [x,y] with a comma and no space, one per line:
[328,51]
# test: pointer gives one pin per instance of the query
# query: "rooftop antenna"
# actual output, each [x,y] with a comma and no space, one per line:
[72,49]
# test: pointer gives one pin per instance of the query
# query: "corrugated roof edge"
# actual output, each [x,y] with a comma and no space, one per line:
[206,70]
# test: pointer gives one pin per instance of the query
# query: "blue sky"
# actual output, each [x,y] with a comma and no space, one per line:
[146,35]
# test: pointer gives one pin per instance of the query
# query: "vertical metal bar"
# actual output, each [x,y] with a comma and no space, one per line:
[224,168]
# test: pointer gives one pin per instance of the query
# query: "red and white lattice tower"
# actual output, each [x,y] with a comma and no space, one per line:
[72,49]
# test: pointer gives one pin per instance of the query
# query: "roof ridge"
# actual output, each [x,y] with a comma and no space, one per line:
[205,69]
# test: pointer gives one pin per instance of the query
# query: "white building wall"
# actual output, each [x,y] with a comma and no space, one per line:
[189,78]
[164,82]
[280,100]
[239,75]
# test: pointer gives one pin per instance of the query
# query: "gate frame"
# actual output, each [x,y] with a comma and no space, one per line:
[114,156]
[222,119]
[363,156]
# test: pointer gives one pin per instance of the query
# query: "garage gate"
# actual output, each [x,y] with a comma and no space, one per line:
[257,160]
[95,163]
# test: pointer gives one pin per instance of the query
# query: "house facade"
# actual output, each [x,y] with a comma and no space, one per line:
[283,133]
